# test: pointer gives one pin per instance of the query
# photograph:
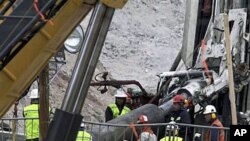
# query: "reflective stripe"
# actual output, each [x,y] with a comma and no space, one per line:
[32,125]
[116,111]
[83,136]
[177,119]
[171,138]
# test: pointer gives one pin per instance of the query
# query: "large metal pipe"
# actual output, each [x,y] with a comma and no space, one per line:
[84,58]
[94,59]
[121,133]
[188,73]
[189,32]
[83,71]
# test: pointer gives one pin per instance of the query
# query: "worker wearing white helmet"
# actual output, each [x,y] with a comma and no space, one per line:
[211,118]
[31,111]
[119,108]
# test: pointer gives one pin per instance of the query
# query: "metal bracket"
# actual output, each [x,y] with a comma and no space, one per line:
[246,36]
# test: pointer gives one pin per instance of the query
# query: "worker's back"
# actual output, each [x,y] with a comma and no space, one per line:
[32,125]
[83,136]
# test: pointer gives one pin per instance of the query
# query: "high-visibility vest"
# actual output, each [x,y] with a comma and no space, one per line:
[171,138]
[83,136]
[221,131]
[116,111]
[32,125]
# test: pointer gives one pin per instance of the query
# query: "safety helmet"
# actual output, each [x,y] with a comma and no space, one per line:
[172,128]
[209,109]
[178,99]
[34,94]
[82,125]
[142,119]
[120,93]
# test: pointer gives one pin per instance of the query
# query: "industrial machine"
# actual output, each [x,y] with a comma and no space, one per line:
[215,71]
[215,55]
[206,79]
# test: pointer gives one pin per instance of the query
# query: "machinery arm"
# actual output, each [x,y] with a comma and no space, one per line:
[20,72]
[118,83]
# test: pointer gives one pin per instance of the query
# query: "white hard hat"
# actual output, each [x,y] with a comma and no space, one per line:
[120,93]
[34,94]
[82,125]
[209,109]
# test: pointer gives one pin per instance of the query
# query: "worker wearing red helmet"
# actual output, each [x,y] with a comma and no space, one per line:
[180,114]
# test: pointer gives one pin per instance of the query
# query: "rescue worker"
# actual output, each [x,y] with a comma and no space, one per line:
[211,118]
[147,133]
[172,133]
[31,111]
[119,108]
[83,135]
[180,115]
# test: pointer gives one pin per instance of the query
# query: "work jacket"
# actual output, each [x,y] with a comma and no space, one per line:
[171,138]
[216,123]
[31,125]
[83,136]
[147,135]
[116,112]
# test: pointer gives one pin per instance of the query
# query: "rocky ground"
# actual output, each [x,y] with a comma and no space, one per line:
[143,40]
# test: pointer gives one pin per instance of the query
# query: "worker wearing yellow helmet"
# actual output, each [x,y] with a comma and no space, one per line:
[118,108]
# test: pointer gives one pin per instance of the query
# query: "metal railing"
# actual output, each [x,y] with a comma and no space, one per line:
[121,132]
[117,132]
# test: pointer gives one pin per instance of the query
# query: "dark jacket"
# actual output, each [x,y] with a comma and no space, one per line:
[181,116]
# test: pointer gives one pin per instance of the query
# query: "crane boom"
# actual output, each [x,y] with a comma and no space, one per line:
[21,71]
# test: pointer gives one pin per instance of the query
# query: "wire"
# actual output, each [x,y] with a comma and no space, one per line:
[40,13]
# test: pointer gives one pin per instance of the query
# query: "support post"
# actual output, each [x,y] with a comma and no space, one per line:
[43,87]
[230,70]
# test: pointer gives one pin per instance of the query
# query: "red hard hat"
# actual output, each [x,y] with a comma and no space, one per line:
[178,99]
[142,119]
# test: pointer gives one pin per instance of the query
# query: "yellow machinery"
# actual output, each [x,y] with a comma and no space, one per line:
[24,67]
[25,54]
